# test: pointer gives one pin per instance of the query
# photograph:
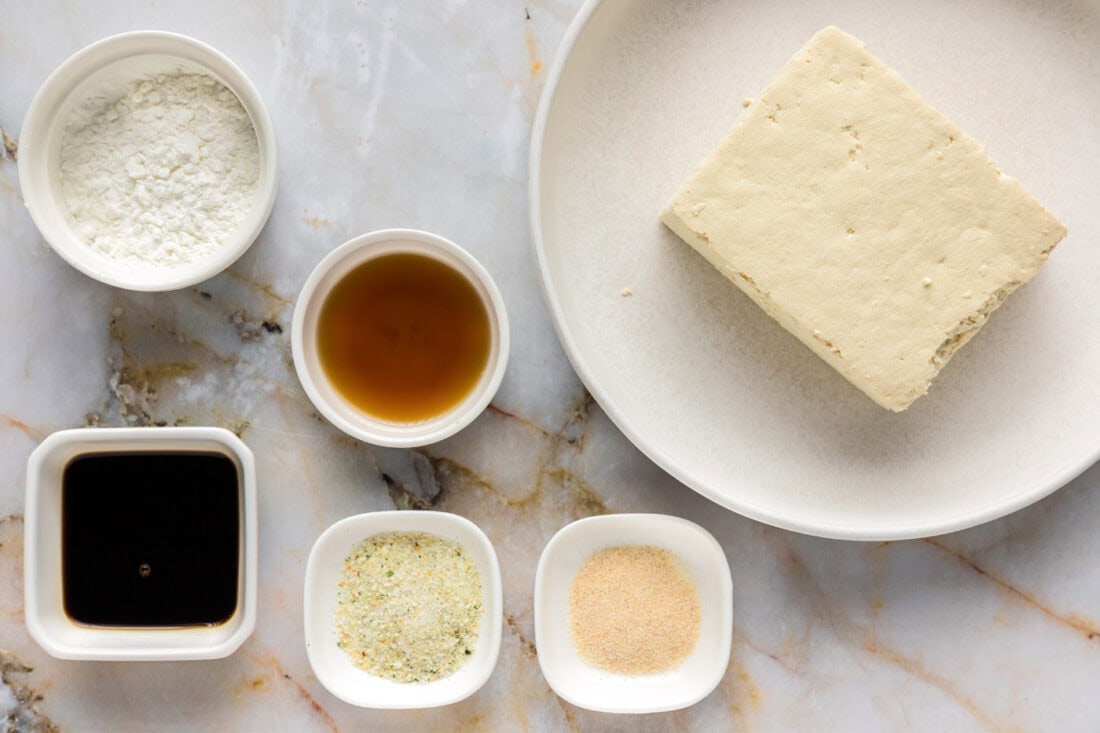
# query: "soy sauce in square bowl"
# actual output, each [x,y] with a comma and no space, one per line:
[151,539]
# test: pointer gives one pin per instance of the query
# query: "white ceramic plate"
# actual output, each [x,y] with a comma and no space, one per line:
[717,393]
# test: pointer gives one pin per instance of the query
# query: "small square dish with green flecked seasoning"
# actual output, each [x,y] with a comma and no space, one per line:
[408,606]
[403,609]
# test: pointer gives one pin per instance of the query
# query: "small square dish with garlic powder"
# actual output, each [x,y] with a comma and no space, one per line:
[863,220]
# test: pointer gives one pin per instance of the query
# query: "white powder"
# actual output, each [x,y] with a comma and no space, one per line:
[164,174]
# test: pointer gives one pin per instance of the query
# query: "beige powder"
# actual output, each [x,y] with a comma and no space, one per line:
[633,610]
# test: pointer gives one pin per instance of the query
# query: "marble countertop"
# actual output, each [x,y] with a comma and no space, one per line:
[418,115]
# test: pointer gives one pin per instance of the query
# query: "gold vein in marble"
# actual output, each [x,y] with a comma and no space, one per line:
[264,288]
[270,661]
[848,631]
[11,146]
[134,382]
[1088,627]
[35,434]
[25,716]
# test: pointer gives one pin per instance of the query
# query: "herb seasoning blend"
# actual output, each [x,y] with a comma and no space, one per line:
[408,606]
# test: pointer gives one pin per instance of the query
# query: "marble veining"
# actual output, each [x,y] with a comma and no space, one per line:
[418,114]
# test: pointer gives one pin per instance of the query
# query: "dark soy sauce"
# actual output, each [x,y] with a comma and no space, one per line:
[150,539]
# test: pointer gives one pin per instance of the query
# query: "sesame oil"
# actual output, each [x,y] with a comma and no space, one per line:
[403,337]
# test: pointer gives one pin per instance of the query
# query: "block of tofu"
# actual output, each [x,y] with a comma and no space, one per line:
[862,220]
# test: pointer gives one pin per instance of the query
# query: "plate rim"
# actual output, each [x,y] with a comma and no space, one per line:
[825,529]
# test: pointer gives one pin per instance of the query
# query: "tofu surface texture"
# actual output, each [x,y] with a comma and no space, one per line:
[862,219]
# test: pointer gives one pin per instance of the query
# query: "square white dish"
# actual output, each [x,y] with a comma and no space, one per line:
[46,619]
[333,667]
[582,684]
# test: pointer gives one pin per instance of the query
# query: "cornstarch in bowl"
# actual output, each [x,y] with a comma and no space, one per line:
[162,174]
[148,161]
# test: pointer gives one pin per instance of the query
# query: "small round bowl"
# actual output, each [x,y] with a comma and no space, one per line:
[331,664]
[110,64]
[49,624]
[345,415]
[582,684]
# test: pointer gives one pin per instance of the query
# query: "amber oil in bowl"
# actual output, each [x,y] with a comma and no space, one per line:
[403,337]
[400,338]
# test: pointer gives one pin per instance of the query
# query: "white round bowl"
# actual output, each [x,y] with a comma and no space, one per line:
[113,62]
[580,683]
[330,403]
[331,664]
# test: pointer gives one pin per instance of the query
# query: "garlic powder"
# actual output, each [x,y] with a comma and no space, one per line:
[162,174]
[633,609]
[408,606]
